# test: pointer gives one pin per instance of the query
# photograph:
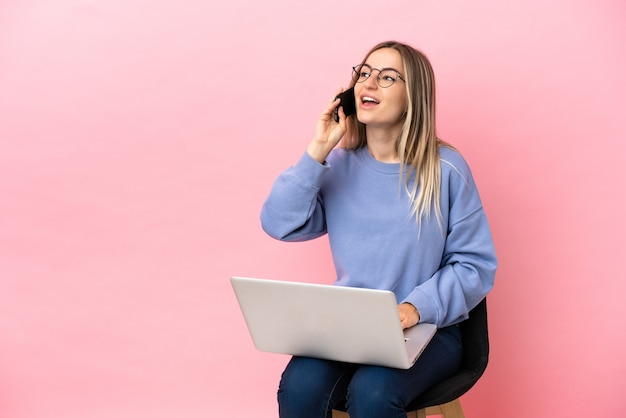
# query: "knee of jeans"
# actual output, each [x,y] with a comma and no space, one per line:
[300,399]
[287,390]
[289,396]
[298,390]
[372,397]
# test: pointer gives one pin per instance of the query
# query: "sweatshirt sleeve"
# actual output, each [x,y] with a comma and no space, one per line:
[294,209]
[469,262]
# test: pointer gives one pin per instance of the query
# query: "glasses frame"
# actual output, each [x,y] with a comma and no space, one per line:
[356,70]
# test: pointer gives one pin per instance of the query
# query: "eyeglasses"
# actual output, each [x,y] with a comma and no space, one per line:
[386,76]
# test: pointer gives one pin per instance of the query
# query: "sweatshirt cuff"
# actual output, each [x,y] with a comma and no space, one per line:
[311,169]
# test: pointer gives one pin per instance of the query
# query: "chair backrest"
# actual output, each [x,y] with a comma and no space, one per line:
[475,336]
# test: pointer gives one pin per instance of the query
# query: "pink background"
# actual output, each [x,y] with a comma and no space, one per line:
[138,140]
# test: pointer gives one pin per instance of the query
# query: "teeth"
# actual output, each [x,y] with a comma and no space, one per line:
[369,99]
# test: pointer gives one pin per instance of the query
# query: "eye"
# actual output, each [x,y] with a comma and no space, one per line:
[364,71]
[388,76]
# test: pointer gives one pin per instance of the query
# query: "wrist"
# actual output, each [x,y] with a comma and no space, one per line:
[317,152]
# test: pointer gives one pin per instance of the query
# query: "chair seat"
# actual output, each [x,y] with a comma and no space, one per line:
[446,391]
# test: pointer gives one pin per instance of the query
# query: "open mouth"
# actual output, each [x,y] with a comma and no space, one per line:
[368,99]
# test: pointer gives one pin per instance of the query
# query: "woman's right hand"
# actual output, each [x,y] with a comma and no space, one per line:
[328,133]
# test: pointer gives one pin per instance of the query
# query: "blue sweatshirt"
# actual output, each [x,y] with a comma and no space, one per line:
[361,204]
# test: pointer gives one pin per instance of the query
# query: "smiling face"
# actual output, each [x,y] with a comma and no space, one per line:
[377,107]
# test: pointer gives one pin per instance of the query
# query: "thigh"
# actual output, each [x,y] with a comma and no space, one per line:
[312,387]
[383,391]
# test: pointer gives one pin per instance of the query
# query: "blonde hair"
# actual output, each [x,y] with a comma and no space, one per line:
[418,144]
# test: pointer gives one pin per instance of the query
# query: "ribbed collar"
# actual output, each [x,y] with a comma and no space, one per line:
[373,164]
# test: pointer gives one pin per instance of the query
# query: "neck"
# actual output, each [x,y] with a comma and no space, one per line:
[381,144]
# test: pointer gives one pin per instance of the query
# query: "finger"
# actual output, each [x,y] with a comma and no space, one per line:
[335,100]
[330,110]
[338,115]
[334,103]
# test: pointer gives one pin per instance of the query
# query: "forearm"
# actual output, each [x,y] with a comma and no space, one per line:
[466,276]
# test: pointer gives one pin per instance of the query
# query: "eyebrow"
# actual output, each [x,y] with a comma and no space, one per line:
[382,69]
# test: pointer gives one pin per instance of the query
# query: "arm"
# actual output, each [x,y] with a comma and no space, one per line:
[468,263]
[294,210]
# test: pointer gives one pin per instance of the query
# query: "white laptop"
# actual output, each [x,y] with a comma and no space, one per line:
[331,322]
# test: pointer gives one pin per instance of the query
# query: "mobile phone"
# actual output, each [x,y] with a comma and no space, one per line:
[347,102]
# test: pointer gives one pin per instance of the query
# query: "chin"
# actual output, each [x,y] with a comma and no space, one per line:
[364,119]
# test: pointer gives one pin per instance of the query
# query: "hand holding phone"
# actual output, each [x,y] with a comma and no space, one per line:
[347,101]
[328,134]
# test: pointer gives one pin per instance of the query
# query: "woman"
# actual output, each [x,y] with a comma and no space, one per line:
[402,213]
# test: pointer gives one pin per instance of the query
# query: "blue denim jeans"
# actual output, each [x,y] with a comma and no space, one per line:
[311,388]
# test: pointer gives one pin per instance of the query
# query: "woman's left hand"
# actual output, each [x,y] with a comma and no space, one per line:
[409,315]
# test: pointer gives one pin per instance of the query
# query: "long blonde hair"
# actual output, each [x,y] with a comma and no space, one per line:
[418,144]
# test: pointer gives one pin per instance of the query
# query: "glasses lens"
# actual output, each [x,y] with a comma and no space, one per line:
[387,77]
[361,73]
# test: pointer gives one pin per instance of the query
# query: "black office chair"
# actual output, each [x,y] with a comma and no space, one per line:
[443,398]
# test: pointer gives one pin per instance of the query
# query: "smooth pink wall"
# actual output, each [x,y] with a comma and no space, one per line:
[138,140]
